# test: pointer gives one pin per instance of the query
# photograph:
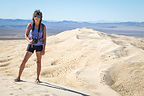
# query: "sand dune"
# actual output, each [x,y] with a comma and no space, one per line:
[80,62]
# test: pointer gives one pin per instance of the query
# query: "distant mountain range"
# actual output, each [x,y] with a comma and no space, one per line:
[15,28]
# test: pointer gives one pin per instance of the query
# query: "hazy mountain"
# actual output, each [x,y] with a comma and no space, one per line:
[15,28]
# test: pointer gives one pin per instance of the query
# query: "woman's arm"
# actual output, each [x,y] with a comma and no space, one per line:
[44,40]
[27,33]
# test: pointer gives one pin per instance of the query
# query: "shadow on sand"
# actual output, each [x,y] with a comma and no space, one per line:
[61,88]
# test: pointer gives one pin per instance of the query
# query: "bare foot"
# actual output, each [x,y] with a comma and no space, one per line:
[38,81]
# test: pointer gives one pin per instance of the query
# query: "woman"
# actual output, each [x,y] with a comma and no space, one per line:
[36,36]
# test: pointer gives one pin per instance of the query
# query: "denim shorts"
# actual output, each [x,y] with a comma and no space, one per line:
[32,47]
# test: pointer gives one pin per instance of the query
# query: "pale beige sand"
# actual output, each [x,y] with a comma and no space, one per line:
[81,61]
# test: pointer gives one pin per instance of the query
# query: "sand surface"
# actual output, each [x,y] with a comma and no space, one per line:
[79,62]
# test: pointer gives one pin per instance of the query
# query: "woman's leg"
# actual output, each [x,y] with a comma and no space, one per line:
[39,56]
[26,57]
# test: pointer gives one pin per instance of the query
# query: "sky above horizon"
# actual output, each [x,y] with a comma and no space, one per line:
[75,10]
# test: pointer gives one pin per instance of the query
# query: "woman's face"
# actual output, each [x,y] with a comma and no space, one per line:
[37,18]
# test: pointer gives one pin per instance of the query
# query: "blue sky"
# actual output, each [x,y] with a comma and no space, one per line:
[76,10]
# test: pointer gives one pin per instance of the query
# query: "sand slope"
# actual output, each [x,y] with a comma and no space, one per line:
[90,62]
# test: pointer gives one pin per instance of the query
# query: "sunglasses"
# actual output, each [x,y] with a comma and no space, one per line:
[37,16]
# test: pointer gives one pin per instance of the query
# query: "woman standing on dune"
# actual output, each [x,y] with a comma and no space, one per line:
[36,36]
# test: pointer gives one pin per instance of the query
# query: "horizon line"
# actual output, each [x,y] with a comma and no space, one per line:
[66,20]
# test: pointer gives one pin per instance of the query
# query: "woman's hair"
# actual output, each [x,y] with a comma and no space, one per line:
[39,13]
